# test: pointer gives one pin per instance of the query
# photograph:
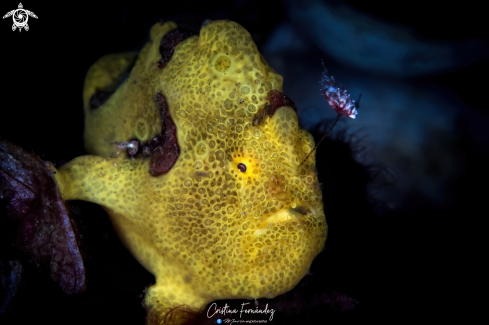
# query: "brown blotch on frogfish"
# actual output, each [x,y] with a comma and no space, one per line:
[197,162]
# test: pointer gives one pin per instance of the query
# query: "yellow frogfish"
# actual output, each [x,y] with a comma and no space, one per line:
[198,159]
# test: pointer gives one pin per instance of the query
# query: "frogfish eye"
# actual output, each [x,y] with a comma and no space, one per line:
[242,167]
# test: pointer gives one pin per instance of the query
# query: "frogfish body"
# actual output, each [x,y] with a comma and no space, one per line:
[197,157]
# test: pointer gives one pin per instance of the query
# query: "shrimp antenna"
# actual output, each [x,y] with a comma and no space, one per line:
[324,136]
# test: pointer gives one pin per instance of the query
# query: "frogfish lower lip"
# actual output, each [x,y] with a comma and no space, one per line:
[283,215]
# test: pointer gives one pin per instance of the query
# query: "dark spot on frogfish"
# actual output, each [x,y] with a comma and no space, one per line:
[276,99]
[166,153]
[169,42]
[99,98]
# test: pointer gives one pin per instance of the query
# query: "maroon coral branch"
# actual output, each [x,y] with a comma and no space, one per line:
[168,44]
[45,232]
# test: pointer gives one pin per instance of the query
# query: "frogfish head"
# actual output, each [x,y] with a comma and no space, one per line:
[238,212]
[243,207]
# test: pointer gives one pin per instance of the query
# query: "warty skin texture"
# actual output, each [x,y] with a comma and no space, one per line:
[205,229]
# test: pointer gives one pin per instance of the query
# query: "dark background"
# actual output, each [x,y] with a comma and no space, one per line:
[396,261]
